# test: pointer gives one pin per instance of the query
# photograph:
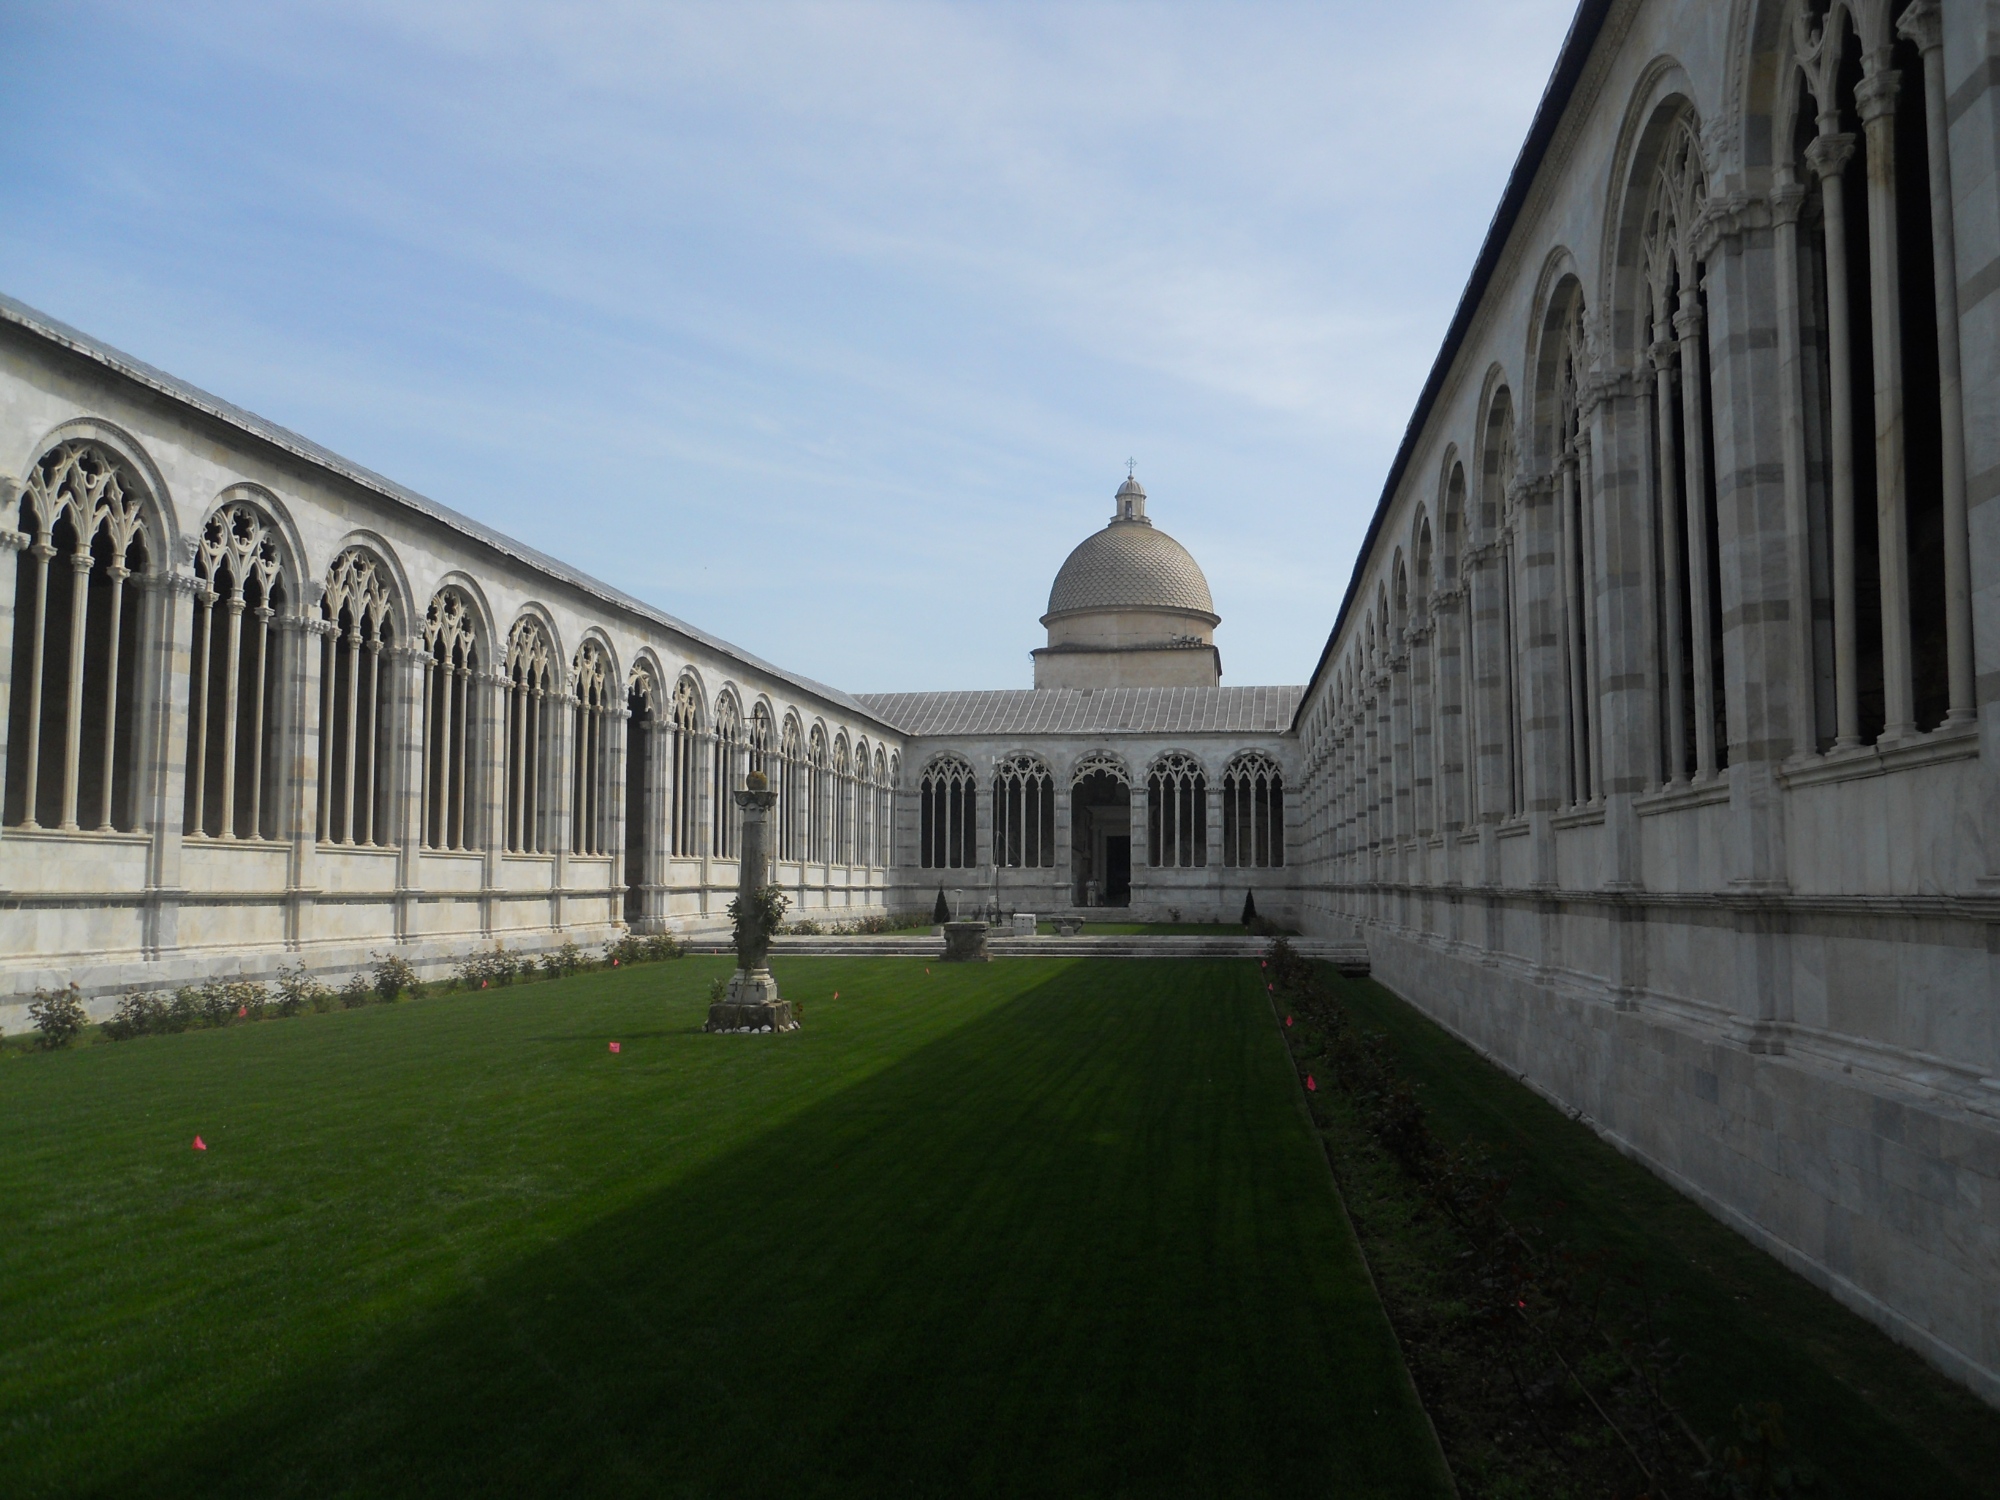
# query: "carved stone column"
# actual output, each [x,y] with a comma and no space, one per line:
[12,543]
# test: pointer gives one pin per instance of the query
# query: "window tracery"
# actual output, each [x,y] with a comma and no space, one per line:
[531,686]
[819,795]
[73,716]
[1024,812]
[726,762]
[843,811]
[685,822]
[1177,812]
[791,793]
[236,566]
[642,724]
[354,698]
[451,668]
[594,711]
[1253,813]
[947,815]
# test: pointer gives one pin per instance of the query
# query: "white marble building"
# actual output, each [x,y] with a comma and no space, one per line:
[1655,749]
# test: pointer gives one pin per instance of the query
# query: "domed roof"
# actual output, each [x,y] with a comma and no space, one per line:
[1130,565]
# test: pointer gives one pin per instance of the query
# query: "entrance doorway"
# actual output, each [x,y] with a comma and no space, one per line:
[1100,816]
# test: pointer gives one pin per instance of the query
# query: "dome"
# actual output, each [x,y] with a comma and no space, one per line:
[1130,565]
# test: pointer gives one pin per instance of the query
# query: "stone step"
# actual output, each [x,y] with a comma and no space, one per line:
[1349,958]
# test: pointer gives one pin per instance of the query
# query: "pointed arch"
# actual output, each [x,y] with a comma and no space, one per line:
[947,815]
[1024,812]
[453,654]
[357,610]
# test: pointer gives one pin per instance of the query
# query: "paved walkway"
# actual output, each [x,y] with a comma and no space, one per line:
[1348,957]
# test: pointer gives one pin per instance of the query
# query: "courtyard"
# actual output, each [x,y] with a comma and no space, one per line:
[1026,1227]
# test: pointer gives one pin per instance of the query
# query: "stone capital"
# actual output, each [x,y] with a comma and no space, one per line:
[1875,95]
[1922,23]
[14,541]
[1828,155]
[1688,322]
[1787,200]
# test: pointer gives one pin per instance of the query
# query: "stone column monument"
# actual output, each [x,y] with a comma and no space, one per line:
[752,1003]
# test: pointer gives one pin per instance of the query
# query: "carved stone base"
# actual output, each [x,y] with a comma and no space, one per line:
[752,1004]
[965,943]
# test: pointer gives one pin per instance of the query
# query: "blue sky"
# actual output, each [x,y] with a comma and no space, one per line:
[827,327]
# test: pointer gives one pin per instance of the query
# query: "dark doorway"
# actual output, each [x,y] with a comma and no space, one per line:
[1101,840]
[1118,871]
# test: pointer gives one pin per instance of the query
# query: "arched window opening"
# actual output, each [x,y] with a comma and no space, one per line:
[530,686]
[642,704]
[1024,813]
[947,816]
[1891,643]
[354,735]
[1177,813]
[1687,580]
[589,816]
[819,798]
[761,740]
[233,687]
[451,668]
[72,731]
[685,824]
[1502,664]
[1576,544]
[726,766]
[1100,830]
[885,786]
[864,807]
[1458,744]
[1253,813]
[843,813]
[791,794]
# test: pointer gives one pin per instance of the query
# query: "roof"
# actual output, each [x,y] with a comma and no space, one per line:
[42,326]
[1130,565]
[1583,31]
[1154,710]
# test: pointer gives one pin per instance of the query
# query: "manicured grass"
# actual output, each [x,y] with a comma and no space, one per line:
[1869,1415]
[1020,1228]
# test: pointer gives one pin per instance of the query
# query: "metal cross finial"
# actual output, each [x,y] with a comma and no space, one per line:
[1131,468]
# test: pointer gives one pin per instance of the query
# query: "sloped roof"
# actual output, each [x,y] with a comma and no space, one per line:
[1156,710]
[52,331]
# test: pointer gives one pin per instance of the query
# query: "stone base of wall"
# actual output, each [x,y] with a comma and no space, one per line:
[1882,1190]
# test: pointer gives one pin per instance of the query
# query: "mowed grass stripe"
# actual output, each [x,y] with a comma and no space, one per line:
[1027,1227]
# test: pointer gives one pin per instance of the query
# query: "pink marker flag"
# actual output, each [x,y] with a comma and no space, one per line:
[614,963]
[614,1046]
[242,1011]
[1271,989]
[836,994]
[1288,1020]
[1311,1087]
[200,1144]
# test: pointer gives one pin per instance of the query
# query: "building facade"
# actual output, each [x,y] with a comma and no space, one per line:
[1656,749]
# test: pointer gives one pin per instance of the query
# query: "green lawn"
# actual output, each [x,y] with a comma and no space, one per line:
[1871,1416]
[1022,1228]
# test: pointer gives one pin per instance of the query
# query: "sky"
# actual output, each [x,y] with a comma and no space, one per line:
[829,328]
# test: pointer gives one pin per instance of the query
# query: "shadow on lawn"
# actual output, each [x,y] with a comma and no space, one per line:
[940,1280]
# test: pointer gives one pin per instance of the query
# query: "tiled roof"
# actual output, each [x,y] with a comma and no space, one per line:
[1156,710]
[1130,565]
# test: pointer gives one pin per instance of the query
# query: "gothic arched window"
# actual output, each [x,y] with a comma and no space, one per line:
[884,802]
[864,807]
[1177,812]
[1253,813]
[685,822]
[530,685]
[819,794]
[589,818]
[761,741]
[727,766]
[642,710]
[451,667]
[355,695]
[233,686]
[72,725]
[948,816]
[1024,813]
[791,796]
[843,809]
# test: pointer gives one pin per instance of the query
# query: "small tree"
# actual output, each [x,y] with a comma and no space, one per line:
[1249,907]
[58,1015]
[941,913]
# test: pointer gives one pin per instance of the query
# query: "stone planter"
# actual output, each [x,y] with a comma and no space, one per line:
[965,943]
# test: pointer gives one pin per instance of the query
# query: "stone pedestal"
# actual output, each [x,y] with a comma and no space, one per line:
[965,943]
[752,1003]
